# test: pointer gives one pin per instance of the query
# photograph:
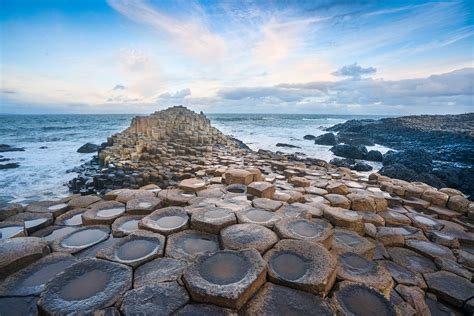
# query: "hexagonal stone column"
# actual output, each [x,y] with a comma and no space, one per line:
[261,189]
[411,260]
[125,225]
[357,299]
[278,300]
[71,218]
[189,244]
[258,216]
[205,310]
[86,286]
[32,279]
[449,287]
[162,299]
[226,278]
[349,241]
[32,221]
[135,249]
[143,206]
[302,265]
[103,213]
[157,271]
[316,230]
[240,176]
[356,268]
[212,219]
[19,252]
[81,239]
[242,236]
[166,221]
[192,185]
[12,230]
[343,218]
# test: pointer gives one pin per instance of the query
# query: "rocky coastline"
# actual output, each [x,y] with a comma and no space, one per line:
[173,216]
[435,149]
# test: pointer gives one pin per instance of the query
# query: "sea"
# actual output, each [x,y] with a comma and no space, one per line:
[51,143]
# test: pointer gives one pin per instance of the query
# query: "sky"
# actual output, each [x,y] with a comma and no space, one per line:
[328,57]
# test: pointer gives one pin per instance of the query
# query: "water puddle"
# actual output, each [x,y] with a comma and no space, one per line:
[289,266]
[9,231]
[136,249]
[304,229]
[85,286]
[170,222]
[84,238]
[111,212]
[259,216]
[224,268]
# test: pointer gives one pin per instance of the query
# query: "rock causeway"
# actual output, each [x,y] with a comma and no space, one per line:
[176,218]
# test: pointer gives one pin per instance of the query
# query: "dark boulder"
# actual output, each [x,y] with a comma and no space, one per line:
[88,148]
[362,166]
[419,160]
[374,155]
[349,151]
[398,171]
[327,139]
[309,137]
[346,162]
[7,148]
[239,143]
[356,140]
[286,145]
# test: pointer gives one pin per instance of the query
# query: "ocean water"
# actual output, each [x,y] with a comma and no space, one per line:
[43,171]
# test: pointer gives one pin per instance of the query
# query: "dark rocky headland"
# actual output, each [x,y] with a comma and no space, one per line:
[175,218]
[435,149]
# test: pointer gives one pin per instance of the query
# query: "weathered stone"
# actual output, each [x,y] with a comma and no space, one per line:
[362,202]
[394,218]
[403,307]
[125,195]
[32,221]
[51,233]
[158,271]
[338,200]
[70,218]
[372,218]
[135,249]
[176,197]
[337,188]
[240,176]
[449,287]
[436,308]
[158,299]
[212,219]
[411,260]
[19,252]
[426,223]
[316,230]
[14,306]
[235,204]
[192,185]
[340,217]
[266,204]
[55,208]
[404,276]
[86,286]
[258,216]
[435,197]
[142,206]
[166,221]
[211,193]
[125,225]
[316,209]
[301,265]
[236,188]
[242,236]
[299,182]
[226,278]
[81,239]
[204,310]
[103,213]
[349,241]
[444,239]
[261,189]
[357,299]
[415,297]
[429,249]
[83,201]
[356,268]
[32,279]
[453,267]
[458,203]
[278,300]
[10,209]
[189,244]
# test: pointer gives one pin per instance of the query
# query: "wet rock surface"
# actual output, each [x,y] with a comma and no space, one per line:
[86,286]
[236,207]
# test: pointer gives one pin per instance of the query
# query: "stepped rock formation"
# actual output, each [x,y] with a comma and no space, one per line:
[246,233]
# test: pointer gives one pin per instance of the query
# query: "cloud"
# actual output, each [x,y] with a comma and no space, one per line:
[453,89]
[177,95]
[191,35]
[119,87]
[355,71]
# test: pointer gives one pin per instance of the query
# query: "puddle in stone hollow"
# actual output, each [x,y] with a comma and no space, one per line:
[136,249]
[7,232]
[110,212]
[75,220]
[35,222]
[84,238]
[170,222]
[224,268]
[304,229]
[57,233]
[57,207]
[130,226]
[45,273]
[289,266]
[198,245]
[259,216]
[85,286]
[359,301]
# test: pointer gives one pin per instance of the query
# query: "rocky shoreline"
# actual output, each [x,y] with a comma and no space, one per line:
[190,222]
[435,149]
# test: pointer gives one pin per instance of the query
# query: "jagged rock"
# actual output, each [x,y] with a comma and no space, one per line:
[88,148]
[374,155]
[349,151]
[328,139]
